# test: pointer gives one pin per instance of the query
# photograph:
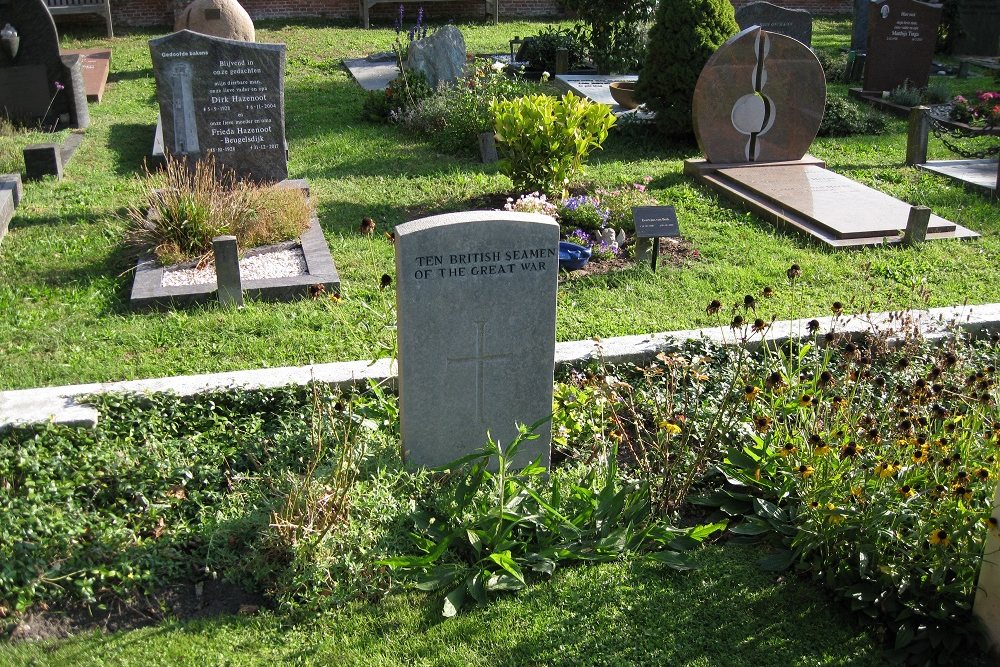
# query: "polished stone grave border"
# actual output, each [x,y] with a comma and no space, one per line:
[148,293]
[980,175]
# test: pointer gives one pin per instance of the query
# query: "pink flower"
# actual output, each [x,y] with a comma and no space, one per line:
[59,86]
[960,100]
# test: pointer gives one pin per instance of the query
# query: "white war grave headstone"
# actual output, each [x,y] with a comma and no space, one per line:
[476,308]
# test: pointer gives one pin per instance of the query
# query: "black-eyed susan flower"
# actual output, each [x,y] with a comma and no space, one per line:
[962,492]
[961,478]
[737,322]
[749,302]
[907,491]
[950,359]
[670,428]
[838,402]
[714,306]
[835,516]
[775,381]
[851,450]
[787,449]
[805,470]
[885,469]
[825,379]
[940,538]
[805,400]
[837,308]
[983,474]
[938,491]
[758,325]
[750,393]
[762,423]
[813,326]
[767,292]
[919,456]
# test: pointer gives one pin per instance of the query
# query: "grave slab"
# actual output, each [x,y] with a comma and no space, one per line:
[374,72]
[980,174]
[794,23]
[95,63]
[595,87]
[828,206]
[901,39]
[13,183]
[226,97]
[6,211]
[476,298]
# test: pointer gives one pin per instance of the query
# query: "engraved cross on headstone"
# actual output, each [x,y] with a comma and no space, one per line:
[480,359]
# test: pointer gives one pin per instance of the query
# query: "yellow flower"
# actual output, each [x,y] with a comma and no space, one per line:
[750,393]
[850,450]
[805,470]
[787,449]
[670,427]
[834,517]
[919,455]
[805,400]
[884,470]
[762,423]
[857,493]
[963,493]
[907,491]
[940,537]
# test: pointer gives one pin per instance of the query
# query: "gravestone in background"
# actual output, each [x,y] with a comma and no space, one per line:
[794,23]
[859,31]
[476,303]
[440,56]
[901,39]
[223,96]
[980,24]
[29,93]
[218,18]
[749,107]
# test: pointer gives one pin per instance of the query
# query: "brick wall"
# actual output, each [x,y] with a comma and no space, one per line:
[161,12]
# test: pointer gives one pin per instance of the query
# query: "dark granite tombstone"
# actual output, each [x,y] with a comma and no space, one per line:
[226,97]
[859,31]
[979,21]
[757,107]
[794,23]
[901,38]
[760,98]
[37,86]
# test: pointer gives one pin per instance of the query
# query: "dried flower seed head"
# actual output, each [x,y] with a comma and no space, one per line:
[767,292]
[878,382]
[950,359]
[714,307]
[934,373]
[904,426]
[971,380]
[838,402]
[963,492]
[813,326]
[937,388]
[983,474]
[850,450]
[961,477]
[793,272]
[737,322]
[922,421]
[866,421]
[367,226]
[385,282]
[749,302]
[902,364]
[826,379]
[993,523]
[837,308]
[759,325]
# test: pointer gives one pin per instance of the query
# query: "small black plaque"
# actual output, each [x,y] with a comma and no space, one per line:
[213,14]
[655,221]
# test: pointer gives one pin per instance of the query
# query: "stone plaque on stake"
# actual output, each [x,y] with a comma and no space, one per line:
[224,96]
[476,303]
[794,23]
[901,38]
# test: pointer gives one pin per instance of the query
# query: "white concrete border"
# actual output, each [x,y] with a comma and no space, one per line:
[60,404]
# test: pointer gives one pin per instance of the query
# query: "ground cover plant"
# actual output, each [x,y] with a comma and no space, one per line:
[64,279]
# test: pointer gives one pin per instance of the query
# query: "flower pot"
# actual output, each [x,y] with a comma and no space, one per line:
[624,93]
[573,257]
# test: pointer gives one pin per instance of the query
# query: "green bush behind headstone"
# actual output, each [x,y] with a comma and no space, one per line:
[685,34]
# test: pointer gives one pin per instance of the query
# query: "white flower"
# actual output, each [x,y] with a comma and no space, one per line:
[545,77]
[497,66]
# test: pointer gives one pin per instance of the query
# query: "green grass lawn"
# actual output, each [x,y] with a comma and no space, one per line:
[64,279]
[728,613]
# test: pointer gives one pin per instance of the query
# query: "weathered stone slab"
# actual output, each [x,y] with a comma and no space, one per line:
[759,98]
[476,298]
[830,206]
[981,174]
[96,64]
[373,74]
[12,182]
[36,88]
[6,211]
[901,38]
[980,28]
[440,56]
[226,97]
[794,23]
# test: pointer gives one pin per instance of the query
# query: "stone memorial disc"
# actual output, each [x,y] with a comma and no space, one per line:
[223,96]
[759,98]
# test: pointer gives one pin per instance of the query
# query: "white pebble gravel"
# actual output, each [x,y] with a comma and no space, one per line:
[274,264]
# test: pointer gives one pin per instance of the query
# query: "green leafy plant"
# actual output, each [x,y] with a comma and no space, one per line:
[402,94]
[620,200]
[905,95]
[685,34]
[834,65]
[504,525]
[936,92]
[615,31]
[540,50]
[545,140]
[192,204]
[843,118]
[582,211]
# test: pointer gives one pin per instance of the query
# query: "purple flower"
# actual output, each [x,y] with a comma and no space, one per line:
[420,17]
[59,86]
[399,19]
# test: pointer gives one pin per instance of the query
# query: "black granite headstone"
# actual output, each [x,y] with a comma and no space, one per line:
[979,21]
[36,86]
[41,160]
[795,23]
[859,31]
[901,38]
[223,96]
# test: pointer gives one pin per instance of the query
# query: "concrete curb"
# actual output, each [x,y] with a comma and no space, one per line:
[60,404]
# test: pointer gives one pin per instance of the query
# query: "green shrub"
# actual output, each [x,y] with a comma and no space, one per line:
[401,95]
[905,95]
[834,65]
[545,140]
[583,212]
[540,50]
[685,34]
[937,92]
[619,202]
[615,31]
[192,206]
[454,116]
[843,118]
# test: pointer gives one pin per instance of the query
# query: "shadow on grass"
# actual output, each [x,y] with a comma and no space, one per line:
[132,144]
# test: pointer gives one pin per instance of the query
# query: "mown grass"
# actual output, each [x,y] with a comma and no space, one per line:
[65,278]
[727,613]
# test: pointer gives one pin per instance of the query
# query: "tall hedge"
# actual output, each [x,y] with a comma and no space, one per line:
[685,34]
